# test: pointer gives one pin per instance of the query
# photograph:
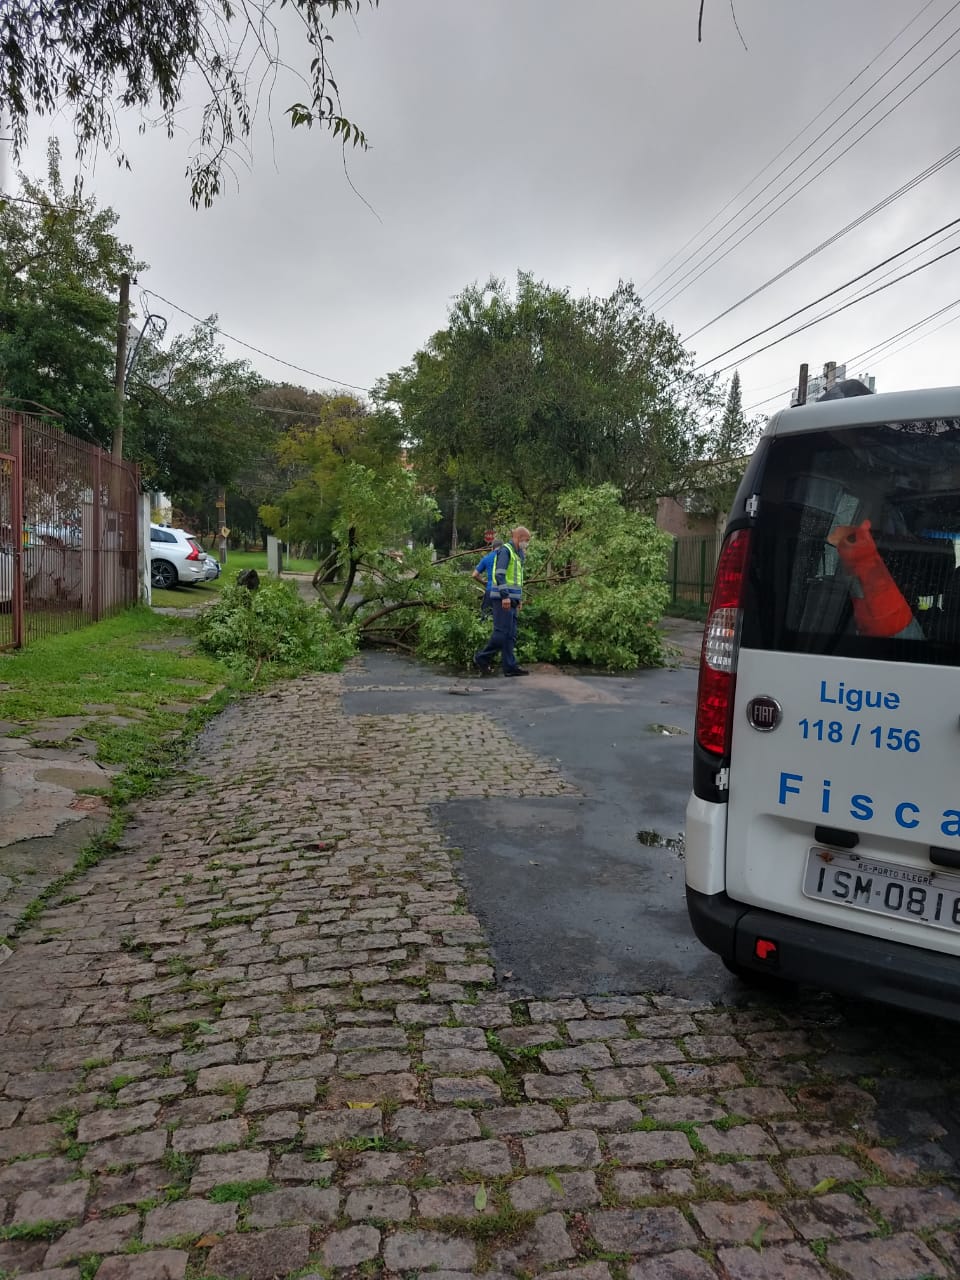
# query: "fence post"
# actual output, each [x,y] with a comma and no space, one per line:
[16,532]
[703,570]
[97,514]
[676,568]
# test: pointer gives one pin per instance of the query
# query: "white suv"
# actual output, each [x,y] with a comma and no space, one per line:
[175,557]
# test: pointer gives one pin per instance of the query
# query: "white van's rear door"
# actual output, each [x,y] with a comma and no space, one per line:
[844,789]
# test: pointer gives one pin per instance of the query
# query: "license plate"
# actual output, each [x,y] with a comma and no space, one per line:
[885,888]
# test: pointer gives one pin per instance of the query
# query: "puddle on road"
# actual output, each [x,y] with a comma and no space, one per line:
[654,840]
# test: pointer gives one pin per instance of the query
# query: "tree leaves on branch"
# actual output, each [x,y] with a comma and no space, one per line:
[96,59]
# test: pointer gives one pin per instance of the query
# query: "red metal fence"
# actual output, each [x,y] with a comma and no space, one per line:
[68,531]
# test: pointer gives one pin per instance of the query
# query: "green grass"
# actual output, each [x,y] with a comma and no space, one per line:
[187,597]
[237,560]
[687,609]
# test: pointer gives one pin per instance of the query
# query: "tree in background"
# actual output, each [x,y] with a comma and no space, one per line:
[709,485]
[523,397]
[60,267]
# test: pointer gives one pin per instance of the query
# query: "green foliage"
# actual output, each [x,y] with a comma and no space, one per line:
[141,54]
[273,624]
[605,607]
[531,394]
[452,636]
[227,1192]
[60,266]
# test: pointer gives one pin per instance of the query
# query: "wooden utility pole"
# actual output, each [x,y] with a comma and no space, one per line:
[123,326]
[454,540]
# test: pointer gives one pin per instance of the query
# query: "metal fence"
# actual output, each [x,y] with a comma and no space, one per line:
[68,531]
[692,565]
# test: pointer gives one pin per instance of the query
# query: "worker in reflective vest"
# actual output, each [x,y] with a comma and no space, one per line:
[507,593]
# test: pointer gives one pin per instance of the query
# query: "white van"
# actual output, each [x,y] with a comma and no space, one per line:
[823,832]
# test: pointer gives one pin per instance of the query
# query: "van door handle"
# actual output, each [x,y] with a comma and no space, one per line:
[941,857]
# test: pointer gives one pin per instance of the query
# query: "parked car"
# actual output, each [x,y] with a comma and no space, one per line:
[176,557]
[212,565]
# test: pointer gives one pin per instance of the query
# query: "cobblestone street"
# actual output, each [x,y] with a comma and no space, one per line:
[267,1040]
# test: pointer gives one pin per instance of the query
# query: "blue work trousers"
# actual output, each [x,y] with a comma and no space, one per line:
[503,641]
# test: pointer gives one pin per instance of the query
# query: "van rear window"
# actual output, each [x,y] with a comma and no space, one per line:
[856,550]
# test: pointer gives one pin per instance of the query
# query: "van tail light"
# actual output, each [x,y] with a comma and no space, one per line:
[721,643]
[195,552]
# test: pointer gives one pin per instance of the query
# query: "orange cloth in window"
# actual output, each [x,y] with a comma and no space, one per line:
[882,610]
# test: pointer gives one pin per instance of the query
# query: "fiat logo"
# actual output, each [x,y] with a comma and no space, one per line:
[764,713]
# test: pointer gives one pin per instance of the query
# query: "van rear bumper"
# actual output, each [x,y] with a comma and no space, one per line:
[832,959]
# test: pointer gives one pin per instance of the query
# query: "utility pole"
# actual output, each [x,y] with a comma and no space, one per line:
[223,531]
[123,326]
[454,541]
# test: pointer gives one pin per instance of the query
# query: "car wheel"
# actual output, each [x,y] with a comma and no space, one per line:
[163,575]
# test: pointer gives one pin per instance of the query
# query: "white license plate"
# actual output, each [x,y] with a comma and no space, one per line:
[886,888]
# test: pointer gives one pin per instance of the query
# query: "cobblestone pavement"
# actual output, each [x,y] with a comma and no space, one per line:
[266,1041]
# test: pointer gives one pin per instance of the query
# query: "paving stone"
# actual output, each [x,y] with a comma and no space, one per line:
[557,1010]
[58,1203]
[915,1208]
[216,1170]
[206,1137]
[714,1047]
[681,1265]
[138,1148]
[641,1230]
[642,1053]
[413,1250]
[650,1147]
[115,1122]
[780,1262]
[422,1015]
[577,1191]
[528,1037]
[202,1110]
[386,1203]
[160,1089]
[758,1102]
[130,1188]
[298,1045]
[350,1247]
[375,1063]
[604,1115]
[396,1087]
[898,1257]
[323,1127]
[246,1074]
[271,1097]
[584,1057]
[429,1129]
[576,1148]
[686,1109]
[465,1089]
[829,1215]
[28,1140]
[597,1029]
[744,1177]
[547,1241]
[634,1184]
[591,1271]
[451,1202]
[293,1167]
[107,1235]
[627,1082]
[740,1223]
[741,1140]
[697,1075]
[260,1255]
[372,1038]
[378,1167]
[159,1264]
[489,1158]
[455,1038]
[293,1205]
[17,1256]
[555,1087]
[533,1118]
[793,1135]
[54,1273]
[186,1218]
[806,1171]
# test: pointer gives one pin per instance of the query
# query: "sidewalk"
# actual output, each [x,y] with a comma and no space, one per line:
[266,1040]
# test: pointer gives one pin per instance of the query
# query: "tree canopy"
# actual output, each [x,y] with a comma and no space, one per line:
[93,59]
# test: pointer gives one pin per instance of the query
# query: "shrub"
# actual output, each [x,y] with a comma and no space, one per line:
[273,625]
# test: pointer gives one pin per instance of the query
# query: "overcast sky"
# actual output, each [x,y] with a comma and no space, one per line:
[584,141]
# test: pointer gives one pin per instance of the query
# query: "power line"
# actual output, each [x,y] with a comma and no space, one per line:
[869,354]
[685,281]
[885,203]
[786,147]
[832,293]
[836,310]
[323,377]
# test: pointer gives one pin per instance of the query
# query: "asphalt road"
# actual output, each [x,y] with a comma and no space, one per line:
[581,893]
